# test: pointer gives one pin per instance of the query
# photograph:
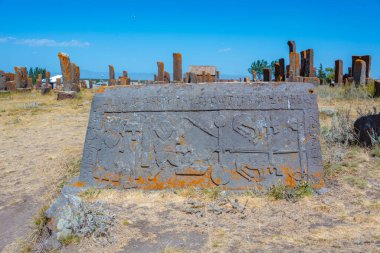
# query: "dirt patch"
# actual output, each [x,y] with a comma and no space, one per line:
[37,135]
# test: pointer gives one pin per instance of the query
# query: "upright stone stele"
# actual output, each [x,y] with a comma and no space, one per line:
[39,82]
[3,85]
[267,73]
[21,77]
[111,79]
[360,72]
[294,68]
[368,61]
[160,72]
[338,71]
[177,67]
[282,69]
[140,137]
[307,63]
[277,72]
[217,76]
[377,88]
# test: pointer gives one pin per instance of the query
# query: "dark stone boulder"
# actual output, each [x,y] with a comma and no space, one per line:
[366,128]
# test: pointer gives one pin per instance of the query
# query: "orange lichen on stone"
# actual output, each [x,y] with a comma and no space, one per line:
[78,184]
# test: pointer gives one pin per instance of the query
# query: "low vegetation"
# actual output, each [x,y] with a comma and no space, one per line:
[279,192]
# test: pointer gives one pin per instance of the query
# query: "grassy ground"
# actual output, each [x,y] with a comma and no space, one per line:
[41,143]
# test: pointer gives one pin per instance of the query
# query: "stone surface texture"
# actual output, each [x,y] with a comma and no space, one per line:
[237,136]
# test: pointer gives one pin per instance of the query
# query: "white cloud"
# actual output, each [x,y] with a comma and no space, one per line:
[6,39]
[224,50]
[44,42]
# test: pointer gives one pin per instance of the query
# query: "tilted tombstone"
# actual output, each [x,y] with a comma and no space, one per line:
[177,67]
[338,71]
[360,72]
[238,137]
[66,71]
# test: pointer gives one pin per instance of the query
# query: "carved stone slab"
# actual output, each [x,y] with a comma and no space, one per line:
[236,136]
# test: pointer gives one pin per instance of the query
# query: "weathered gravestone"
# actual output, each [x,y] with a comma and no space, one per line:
[70,74]
[360,72]
[239,136]
[267,75]
[338,71]
[307,63]
[3,85]
[177,67]
[21,77]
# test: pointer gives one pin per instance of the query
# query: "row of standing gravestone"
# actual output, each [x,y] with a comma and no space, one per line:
[359,72]
[21,82]
[123,80]
[205,76]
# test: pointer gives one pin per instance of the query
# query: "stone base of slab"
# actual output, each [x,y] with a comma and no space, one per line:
[45,90]
[62,95]
[23,90]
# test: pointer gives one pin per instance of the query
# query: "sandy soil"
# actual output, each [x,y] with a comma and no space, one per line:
[39,135]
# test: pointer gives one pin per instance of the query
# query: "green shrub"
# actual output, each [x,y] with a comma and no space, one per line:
[288,193]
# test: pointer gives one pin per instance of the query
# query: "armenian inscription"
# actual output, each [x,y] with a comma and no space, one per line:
[235,136]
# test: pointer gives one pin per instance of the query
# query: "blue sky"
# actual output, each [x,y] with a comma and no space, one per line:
[133,35]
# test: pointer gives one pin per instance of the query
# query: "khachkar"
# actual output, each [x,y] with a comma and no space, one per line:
[21,78]
[70,76]
[160,71]
[239,137]
[307,63]
[111,79]
[338,71]
[177,68]
[368,62]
